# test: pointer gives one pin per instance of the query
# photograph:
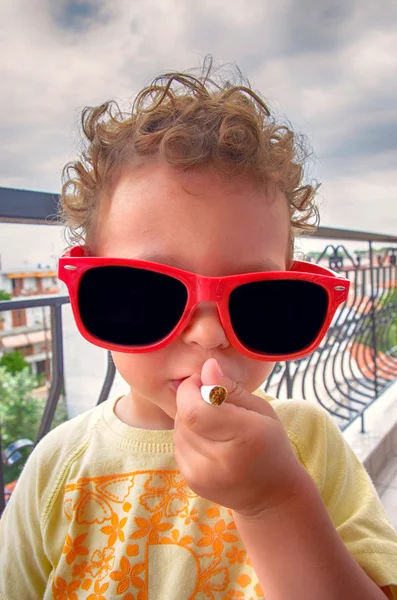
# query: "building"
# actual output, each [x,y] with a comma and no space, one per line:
[28,330]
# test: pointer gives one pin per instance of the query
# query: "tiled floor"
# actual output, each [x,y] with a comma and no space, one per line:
[386,484]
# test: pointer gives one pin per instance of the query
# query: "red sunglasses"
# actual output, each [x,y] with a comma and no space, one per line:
[130,305]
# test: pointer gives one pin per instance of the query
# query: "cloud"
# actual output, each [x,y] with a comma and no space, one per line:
[348,200]
[331,67]
[77,15]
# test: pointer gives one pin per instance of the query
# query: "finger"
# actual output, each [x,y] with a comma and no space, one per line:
[211,422]
[236,393]
[185,440]
[198,416]
[193,467]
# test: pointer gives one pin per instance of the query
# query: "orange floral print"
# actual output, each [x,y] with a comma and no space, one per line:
[115,530]
[233,594]
[150,528]
[80,570]
[214,579]
[243,580]
[86,584]
[99,590]
[167,491]
[74,548]
[128,575]
[131,512]
[216,536]
[132,549]
[213,512]
[63,591]
[89,500]
[190,517]
[236,555]
[101,563]
[184,541]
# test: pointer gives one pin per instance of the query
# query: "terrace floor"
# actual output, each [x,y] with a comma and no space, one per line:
[386,485]
[377,448]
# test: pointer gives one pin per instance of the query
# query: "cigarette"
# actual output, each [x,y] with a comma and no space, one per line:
[213,394]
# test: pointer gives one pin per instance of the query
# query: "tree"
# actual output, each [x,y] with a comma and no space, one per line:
[312,254]
[386,330]
[14,362]
[385,325]
[21,413]
[4,295]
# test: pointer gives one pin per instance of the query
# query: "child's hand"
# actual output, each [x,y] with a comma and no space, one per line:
[237,455]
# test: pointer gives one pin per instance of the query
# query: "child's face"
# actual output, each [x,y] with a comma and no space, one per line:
[200,222]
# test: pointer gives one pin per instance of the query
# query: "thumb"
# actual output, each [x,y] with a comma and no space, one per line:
[211,375]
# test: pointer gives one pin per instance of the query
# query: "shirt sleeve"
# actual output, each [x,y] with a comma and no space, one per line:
[348,493]
[24,567]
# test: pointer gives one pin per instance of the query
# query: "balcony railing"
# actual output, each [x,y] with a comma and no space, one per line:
[356,361]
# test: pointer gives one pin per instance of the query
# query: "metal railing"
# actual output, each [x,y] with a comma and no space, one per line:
[55,303]
[356,361]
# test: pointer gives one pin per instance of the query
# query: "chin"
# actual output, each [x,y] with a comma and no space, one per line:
[171,414]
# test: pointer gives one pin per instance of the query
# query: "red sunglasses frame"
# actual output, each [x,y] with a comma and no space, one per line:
[74,263]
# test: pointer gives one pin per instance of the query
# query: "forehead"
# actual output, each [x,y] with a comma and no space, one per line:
[200,221]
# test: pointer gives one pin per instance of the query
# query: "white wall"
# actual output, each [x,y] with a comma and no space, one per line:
[29,284]
[5,284]
[34,316]
[85,369]
[7,316]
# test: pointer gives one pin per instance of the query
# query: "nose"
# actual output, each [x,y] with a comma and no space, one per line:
[205,328]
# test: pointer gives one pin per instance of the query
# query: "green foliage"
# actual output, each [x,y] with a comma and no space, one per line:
[41,379]
[4,295]
[14,362]
[386,335]
[331,252]
[386,325]
[312,254]
[21,413]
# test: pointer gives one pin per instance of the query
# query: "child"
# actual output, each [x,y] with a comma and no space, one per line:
[184,212]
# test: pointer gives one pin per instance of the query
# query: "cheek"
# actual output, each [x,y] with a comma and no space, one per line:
[259,371]
[136,369]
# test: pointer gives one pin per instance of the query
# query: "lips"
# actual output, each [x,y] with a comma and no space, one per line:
[177,382]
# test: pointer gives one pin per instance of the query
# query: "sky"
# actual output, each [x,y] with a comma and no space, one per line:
[328,67]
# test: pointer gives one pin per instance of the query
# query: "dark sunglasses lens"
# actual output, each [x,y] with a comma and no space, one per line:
[129,306]
[278,316]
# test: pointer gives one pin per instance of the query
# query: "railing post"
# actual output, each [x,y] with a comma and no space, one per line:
[109,378]
[57,372]
[363,422]
[373,318]
[2,488]
[288,380]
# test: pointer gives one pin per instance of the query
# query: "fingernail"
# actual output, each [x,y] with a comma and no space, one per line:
[220,372]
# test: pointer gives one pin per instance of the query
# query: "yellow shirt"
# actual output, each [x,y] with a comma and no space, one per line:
[101,512]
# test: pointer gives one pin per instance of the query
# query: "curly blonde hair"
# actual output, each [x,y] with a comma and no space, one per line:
[190,121]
